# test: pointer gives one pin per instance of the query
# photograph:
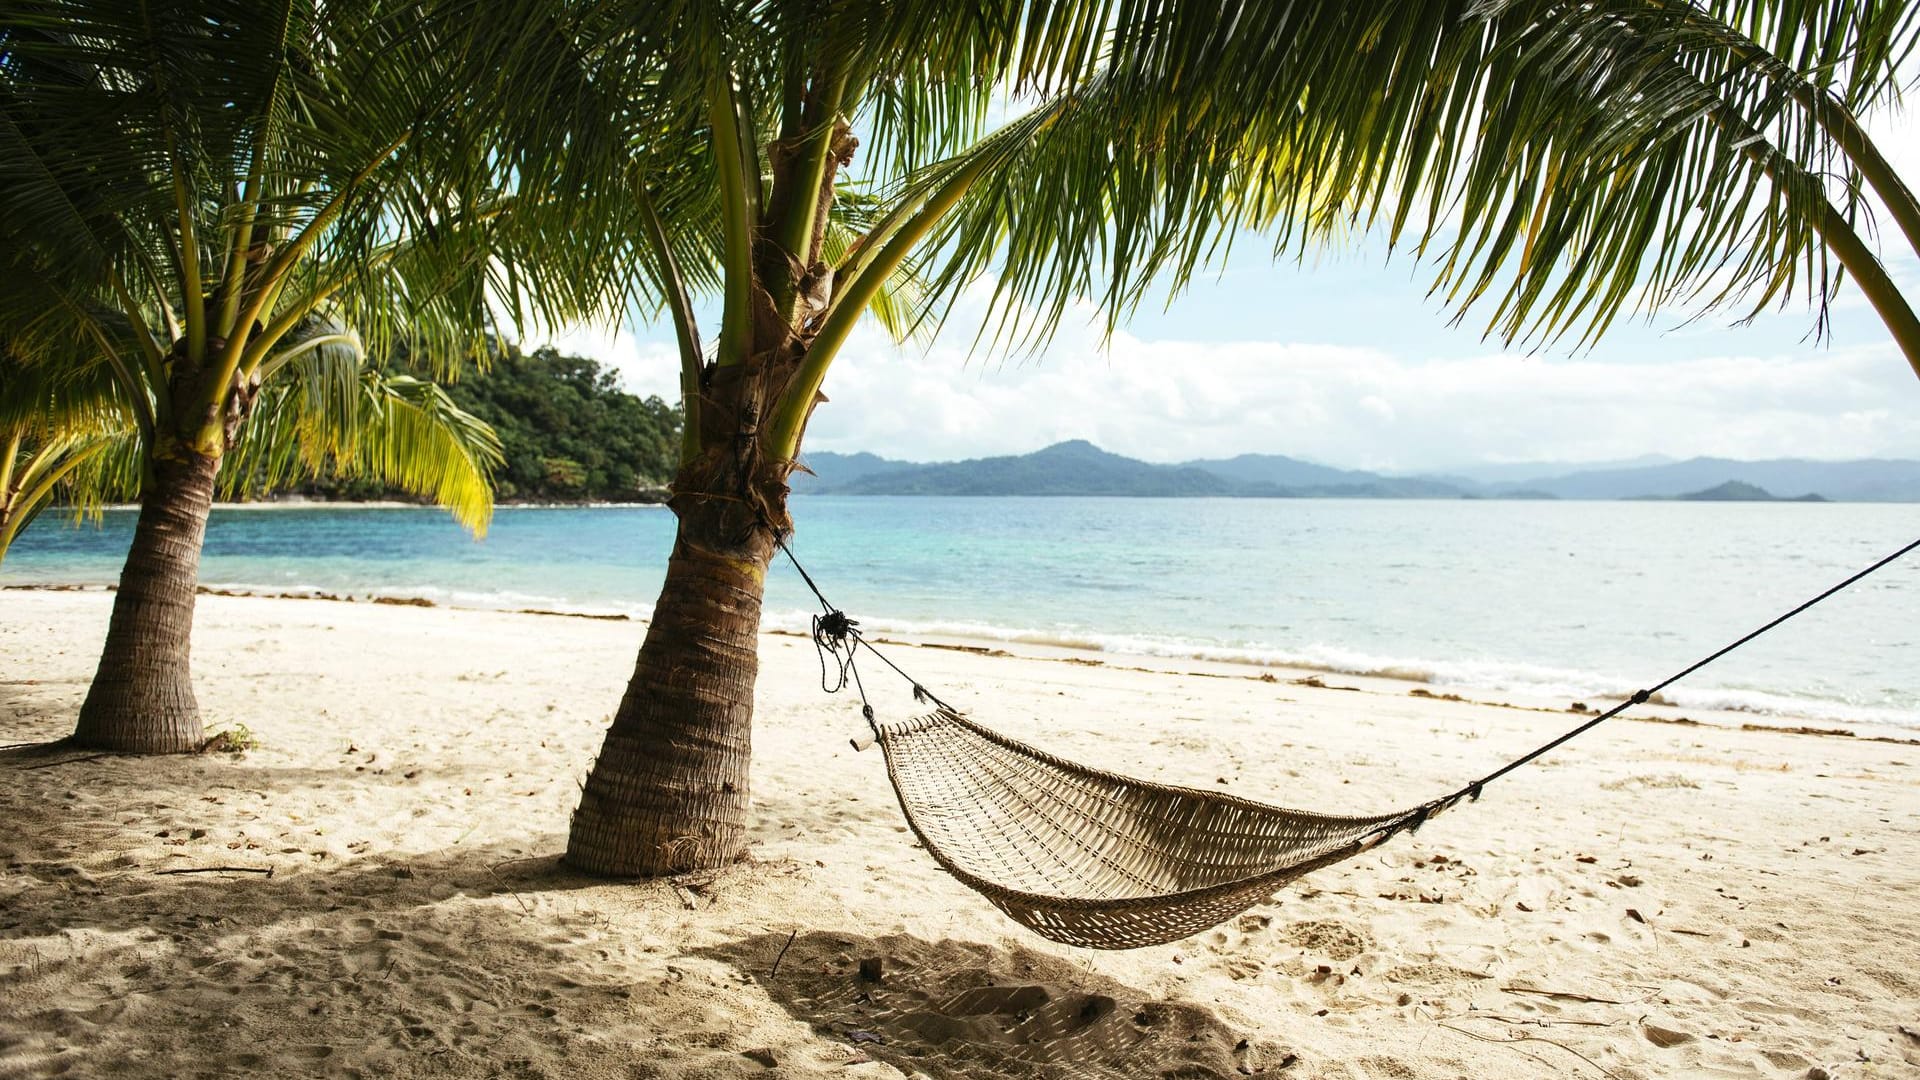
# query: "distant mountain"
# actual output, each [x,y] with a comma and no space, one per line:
[829,469]
[1735,491]
[1275,475]
[1068,468]
[1870,480]
[1080,468]
[1509,473]
[1280,471]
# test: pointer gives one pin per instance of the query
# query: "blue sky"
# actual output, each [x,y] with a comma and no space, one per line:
[1345,360]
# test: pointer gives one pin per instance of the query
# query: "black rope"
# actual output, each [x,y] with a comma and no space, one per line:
[836,635]
[833,636]
[1471,792]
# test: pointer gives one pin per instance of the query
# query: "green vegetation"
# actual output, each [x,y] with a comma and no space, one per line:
[236,739]
[570,432]
[66,436]
[566,431]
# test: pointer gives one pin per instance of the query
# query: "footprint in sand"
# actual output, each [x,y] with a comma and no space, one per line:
[1330,938]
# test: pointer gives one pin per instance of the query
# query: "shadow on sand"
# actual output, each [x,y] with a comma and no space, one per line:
[962,1009]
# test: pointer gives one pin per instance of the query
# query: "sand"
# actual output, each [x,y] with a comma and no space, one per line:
[1656,899]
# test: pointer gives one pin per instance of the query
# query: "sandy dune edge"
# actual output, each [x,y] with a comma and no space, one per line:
[1656,900]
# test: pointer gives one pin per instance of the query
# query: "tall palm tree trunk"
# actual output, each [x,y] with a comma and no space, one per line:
[142,696]
[669,790]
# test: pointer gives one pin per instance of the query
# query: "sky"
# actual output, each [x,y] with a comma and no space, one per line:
[1345,360]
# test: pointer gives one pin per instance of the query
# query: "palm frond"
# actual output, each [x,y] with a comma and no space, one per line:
[416,439]
[329,418]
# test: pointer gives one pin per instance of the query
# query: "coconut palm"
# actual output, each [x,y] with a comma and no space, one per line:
[1561,163]
[217,201]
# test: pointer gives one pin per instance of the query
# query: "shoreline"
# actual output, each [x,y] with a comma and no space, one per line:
[1655,711]
[373,885]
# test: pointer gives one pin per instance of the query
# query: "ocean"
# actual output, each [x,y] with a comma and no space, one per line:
[1557,599]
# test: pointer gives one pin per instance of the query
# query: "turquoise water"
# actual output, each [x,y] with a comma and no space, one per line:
[1562,598]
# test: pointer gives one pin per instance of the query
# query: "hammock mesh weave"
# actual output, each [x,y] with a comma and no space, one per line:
[1092,858]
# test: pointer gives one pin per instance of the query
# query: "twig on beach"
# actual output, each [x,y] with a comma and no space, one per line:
[524,909]
[775,969]
[1522,1036]
[67,761]
[1567,995]
[267,870]
[1542,1021]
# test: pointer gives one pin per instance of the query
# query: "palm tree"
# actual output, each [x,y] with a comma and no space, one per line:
[1564,162]
[216,201]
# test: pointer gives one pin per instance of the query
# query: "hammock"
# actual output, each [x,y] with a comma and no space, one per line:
[1096,859]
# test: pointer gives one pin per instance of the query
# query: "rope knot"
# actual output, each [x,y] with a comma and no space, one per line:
[1641,697]
[835,635]
[834,627]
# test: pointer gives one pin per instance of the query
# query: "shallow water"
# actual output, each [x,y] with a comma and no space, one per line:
[1569,599]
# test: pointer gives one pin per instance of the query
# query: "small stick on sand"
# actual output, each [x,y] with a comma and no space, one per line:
[67,761]
[1521,1036]
[267,870]
[775,969]
[1566,994]
[524,909]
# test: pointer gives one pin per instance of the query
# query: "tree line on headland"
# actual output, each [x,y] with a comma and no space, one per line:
[567,432]
[213,212]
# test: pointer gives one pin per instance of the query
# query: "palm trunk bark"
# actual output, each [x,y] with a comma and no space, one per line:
[669,790]
[142,701]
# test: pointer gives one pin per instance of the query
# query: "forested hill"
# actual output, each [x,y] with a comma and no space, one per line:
[570,433]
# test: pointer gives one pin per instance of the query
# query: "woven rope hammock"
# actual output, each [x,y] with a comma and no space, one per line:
[1092,858]
[1104,861]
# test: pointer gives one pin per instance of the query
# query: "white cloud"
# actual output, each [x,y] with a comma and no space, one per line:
[1364,407]
[1348,405]
[645,365]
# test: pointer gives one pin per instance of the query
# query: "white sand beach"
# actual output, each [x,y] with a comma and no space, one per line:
[1653,900]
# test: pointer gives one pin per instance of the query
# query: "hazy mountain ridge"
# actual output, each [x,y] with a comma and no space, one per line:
[1078,467]
[1864,480]
[1736,491]
[1068,468]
